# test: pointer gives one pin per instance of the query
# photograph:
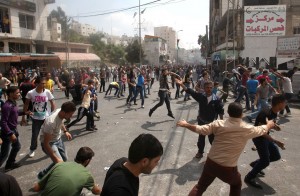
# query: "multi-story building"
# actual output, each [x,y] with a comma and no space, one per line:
[83,29]
[155,49]
[168,34]
[253,28]
[26,40]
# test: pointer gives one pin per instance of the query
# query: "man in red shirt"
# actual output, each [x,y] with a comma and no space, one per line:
[264,75]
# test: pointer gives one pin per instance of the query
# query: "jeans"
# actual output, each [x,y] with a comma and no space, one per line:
[139,90]
[111,87]
[288,97]
[36,127]
[81,113]
[262,104]
[132,90]
[177,91]
[102,84]
[5,148]
[163,97]
[187,85]
[267,152]
[243,91]
[252,98]
[58,148]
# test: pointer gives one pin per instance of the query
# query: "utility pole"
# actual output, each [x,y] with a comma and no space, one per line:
[234,28]
[140,34]
[227,29]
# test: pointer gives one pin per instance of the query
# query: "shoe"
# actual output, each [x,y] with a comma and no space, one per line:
[261,172]
[189,98]
[11,166]
[252,182]
[288,114]
[118,96]
[171,115]
[95,128]
[199,155]
[31,153]
[150,112]
[134,103]
[249,119]
[96,111]
[146,96]
[280,115]
[143,106]
[90,129]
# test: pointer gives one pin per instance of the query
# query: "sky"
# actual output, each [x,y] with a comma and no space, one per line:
[190,16]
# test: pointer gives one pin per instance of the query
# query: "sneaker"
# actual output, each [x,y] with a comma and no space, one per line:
[252,182]
[199,155]
[171,115]
[31,153]
[11,166]
[288,114]
[280,115]
[143,106]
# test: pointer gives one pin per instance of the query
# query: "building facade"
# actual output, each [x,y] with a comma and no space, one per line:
[168,34]
[83,29]
[249,30]
[155,49]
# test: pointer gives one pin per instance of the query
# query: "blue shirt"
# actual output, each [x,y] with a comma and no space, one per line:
[274,79]
[141,80]
[252,85]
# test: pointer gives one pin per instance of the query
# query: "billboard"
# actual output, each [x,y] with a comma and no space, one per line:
[288,47]
[265,20]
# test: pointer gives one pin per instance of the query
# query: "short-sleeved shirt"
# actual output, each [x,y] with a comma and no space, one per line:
[52,125]
[66,178]
[39,102]
[263,91]
[252,86]
[287,85]
[49,84]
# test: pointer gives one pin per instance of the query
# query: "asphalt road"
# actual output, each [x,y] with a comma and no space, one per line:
[177,171]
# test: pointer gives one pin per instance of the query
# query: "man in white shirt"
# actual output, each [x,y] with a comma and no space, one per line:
[51,132]
[4,82]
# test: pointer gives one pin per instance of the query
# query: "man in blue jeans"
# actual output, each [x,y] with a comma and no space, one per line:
[139,88]
[267,147]
[51,132]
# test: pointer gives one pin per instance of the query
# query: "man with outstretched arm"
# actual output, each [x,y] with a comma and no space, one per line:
[231,136]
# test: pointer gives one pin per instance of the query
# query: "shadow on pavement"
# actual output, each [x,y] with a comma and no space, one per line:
[267,190]
[27,161]
[188,172]
[148,125]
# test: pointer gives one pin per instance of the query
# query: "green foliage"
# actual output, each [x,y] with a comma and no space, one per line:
[62,18]
[133,52]
[203,41]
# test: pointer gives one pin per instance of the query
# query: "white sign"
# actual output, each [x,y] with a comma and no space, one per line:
[265,20]
[288,47]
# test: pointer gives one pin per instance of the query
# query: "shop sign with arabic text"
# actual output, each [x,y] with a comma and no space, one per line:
[265,20]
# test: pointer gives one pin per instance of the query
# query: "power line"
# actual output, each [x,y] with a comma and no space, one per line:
[116,11]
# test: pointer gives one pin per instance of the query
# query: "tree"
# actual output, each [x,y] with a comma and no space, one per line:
[99,46]
[203,42]
[62,18]
[133,52]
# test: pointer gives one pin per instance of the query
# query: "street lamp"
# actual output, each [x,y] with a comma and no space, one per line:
[177,45]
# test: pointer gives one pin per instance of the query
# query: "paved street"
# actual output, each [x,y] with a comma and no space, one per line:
[178,171]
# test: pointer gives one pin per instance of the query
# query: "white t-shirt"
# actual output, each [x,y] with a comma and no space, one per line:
[287,85]
[39,102]
[52,125]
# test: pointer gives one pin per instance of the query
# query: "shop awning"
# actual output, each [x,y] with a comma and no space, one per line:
[77,56]
[33,56]
[9,57]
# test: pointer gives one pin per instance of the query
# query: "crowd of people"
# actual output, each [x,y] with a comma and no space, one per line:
[228,137]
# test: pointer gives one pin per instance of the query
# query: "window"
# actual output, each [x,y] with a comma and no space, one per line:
[26,21]
[297,30]
[18,47]
[4,21]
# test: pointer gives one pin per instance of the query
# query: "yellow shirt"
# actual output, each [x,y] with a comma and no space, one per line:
[231,137]
[49,84]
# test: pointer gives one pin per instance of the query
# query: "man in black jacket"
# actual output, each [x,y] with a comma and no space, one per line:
[210,107]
